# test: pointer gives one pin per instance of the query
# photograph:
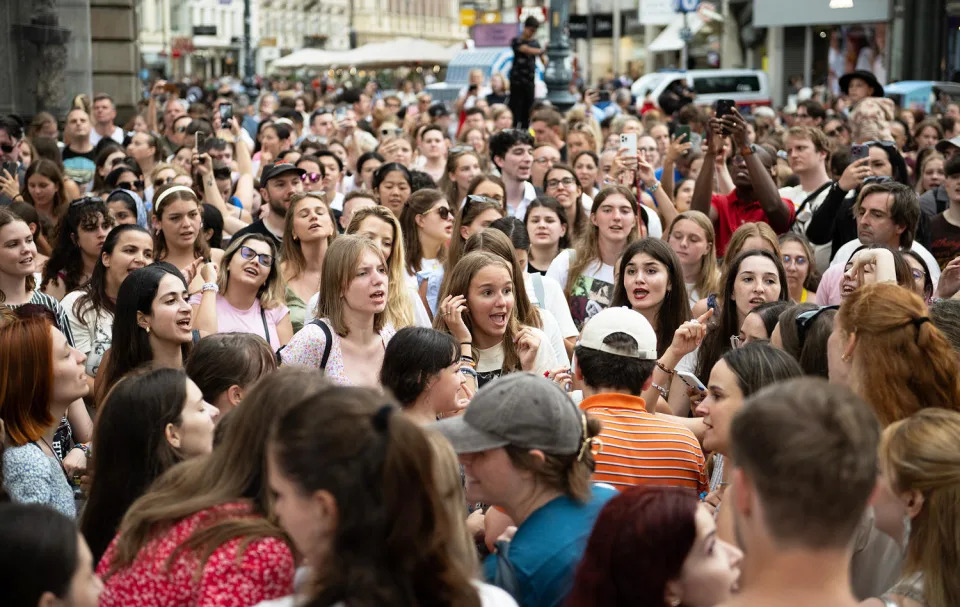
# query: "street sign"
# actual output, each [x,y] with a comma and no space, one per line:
[578,27]
[468,17]
[204,30]
[685,6]
[603,25]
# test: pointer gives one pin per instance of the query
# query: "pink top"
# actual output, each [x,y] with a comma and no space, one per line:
[262,572]
[828,293]
[232,320]
[306,349]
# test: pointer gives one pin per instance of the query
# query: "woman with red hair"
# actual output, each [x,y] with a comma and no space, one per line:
[40,375]
[655,547]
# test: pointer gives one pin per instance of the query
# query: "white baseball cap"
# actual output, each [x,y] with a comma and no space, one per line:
[620,320]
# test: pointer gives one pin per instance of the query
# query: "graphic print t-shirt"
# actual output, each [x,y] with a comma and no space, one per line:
[79,167]
[592,291]
[944,240]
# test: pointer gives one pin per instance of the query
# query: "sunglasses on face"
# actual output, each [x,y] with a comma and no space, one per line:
[444,212]
[7,148]
[159,182]
[264,259]
[311,177]
[805,320]
[130,185]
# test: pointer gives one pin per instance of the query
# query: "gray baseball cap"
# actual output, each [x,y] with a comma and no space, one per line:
[945,144]
[519,409]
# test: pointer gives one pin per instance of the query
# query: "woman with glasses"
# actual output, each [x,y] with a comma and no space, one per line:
[352,331]
[126,177]
[800,264]
[427,223]
[78,242]
[922,283]
[392,185]
[562,184]
[308,231]
[463,166]
[249,293]
[586,272]
[166,173]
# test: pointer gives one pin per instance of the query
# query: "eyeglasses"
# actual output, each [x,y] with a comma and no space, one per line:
[159,182]
[130,185]
[805,320]
[6,148]
[566,182]
[264,259]
[799,260]
[735,341]
[311,177]
[543,160]
[444,212]
[918,274]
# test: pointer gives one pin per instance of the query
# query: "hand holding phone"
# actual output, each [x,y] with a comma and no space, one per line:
[198,140]
[691,380]
[226,113]
[628,142]
[859,151]
[725,108]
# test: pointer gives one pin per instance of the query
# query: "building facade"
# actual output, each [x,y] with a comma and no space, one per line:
[288,25]
[381,20]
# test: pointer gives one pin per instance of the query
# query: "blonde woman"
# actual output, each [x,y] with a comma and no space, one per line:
[478,307]
[350,337]
[691,237]
[249,293]
[586,272]
[308,231]
[918,502]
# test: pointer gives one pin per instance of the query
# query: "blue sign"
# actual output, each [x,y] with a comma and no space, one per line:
[685,6]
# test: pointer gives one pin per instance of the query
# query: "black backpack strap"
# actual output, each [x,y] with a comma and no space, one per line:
[328,342]
[806,201]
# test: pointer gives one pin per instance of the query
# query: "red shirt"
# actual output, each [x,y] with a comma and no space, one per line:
[733,213]
[262,572]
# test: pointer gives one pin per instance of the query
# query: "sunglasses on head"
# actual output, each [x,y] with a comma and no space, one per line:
[264,259]
[876,179]
[311,177]
[130,185]
[477,198]
[444,212]
[805,321]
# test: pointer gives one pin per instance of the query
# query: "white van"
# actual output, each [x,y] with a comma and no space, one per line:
[748,88]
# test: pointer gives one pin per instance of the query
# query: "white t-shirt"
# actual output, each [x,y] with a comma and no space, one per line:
[337,203]
[555,303]
[490,361]
[92,333]
[844,253]
[116,135]
[592,291]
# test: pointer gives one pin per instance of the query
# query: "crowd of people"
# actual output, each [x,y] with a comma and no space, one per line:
[353,349]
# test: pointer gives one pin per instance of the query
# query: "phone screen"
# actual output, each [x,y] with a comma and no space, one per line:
[226,113]
[198,141]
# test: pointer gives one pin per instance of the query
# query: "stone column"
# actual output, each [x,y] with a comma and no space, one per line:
[116,60]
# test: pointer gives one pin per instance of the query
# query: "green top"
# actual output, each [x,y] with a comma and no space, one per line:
[298,309]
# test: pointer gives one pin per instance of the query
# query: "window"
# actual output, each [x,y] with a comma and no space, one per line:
[713,85]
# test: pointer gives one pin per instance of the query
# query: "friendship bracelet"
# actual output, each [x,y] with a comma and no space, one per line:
[664,369]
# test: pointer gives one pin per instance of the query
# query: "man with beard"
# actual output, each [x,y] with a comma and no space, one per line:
[279,182]
[754,198]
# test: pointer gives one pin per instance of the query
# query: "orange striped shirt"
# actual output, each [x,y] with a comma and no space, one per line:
[640,448]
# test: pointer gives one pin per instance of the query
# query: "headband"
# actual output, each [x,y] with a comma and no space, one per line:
[176,188]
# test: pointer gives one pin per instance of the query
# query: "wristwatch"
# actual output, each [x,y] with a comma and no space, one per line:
[748,150]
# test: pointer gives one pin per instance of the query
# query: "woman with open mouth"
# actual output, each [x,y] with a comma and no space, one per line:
[153,323]
[478,307]
[586,271]
[249,293]
[351,332]
[752,278]
[308,231]
[178,221]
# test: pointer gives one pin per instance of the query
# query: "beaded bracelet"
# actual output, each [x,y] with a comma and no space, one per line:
[664,369]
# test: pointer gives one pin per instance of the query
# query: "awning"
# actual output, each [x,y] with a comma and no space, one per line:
[401,51]
[311,57]
[669,39]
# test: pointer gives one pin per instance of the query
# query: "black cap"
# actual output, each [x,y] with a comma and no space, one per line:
[279,168]
[437,110]
[864,75]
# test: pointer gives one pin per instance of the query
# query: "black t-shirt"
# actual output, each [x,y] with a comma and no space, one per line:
[524,66]
[257,227]
[80,167]
[944,240]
